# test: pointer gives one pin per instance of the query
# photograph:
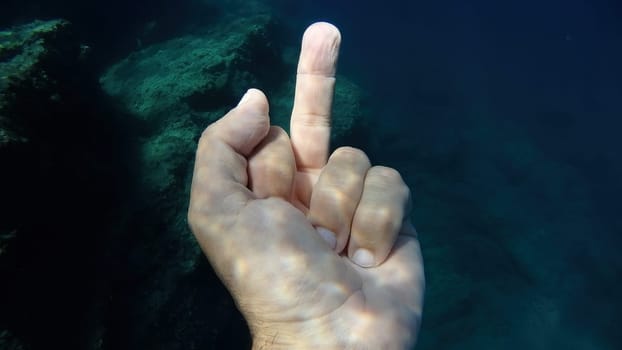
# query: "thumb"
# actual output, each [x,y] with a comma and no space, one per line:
[245,125]
[219,183]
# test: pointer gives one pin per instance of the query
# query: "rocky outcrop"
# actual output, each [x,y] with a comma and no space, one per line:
[27,53]
[203,74]
[95,186]
[29,57]
[58,185]
[176,88]
[9,342]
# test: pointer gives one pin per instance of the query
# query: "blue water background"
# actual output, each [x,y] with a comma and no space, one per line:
[504,117]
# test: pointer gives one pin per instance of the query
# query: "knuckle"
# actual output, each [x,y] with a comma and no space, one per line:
[206,136]
[351,154]
[190,216]
[379,220]
[405,195]
[384,179]
[383,217]
[389,175]
[207,132]
[278,130]
[193,220]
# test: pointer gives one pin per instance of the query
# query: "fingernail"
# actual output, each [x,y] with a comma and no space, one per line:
[363,257]
[244,98]
[328,236]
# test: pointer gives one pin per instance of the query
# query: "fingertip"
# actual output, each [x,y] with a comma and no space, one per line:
[363,258]
[320,49]
[323,29]
[328,236]
[367,257]
[245,125]
[256,100]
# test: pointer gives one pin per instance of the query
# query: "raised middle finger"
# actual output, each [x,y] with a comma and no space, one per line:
[315,82]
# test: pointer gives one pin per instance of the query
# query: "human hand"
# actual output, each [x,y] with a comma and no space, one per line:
[280,223]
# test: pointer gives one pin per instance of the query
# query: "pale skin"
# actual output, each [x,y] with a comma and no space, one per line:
[281,222]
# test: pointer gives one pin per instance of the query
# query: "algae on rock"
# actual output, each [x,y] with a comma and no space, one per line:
[195,70]
[175,89]
[24,57]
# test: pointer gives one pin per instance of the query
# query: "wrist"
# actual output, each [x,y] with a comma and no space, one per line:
[355,325]
[282,337]
[305,335]
[334,336]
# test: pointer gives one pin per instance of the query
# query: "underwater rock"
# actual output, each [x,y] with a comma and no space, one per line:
[175,89]
[180,86]
[206,72]
[9,342]
[59,184]
[197,71]
[29,85]
[128,171]
[27,54]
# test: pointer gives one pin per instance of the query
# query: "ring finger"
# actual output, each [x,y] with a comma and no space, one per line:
[336,195]
[378,217]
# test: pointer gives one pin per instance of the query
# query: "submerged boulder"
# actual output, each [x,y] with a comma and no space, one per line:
[207,72]
[58,186]
[180,86]
[198,72]
[175,89]
[29,85]
[28,56]
[94,198]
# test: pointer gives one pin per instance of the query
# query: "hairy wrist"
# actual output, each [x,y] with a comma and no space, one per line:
[338,334]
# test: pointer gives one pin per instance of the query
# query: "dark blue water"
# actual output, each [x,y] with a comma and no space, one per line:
[504,117]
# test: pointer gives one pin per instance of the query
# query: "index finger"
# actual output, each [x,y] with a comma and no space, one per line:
[315,83]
